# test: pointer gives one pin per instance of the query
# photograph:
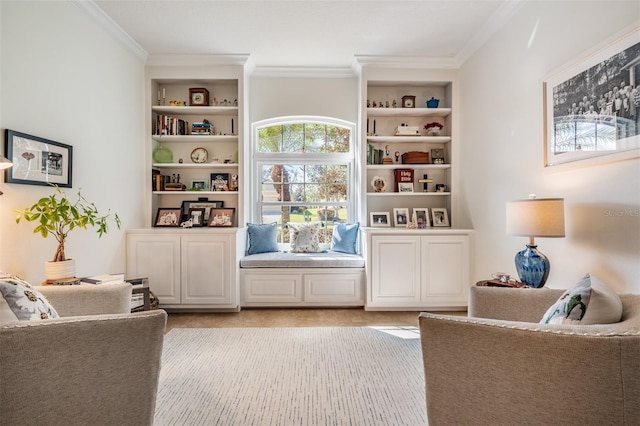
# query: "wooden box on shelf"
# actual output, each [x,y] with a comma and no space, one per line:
[415,157]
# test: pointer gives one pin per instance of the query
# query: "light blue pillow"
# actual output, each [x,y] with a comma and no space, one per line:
[345,236]
[261,238]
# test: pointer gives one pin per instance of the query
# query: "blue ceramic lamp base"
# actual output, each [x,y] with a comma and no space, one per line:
[532,266]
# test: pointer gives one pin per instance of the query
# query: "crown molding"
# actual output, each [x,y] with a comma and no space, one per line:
[322,72]
[361,61]
[105,21]
[196,60]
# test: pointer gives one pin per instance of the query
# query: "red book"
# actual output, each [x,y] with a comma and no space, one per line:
[402,176]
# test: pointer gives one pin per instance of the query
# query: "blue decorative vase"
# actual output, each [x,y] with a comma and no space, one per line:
[532,266]
[433,103]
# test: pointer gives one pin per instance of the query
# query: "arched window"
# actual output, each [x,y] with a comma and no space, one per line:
[302,171]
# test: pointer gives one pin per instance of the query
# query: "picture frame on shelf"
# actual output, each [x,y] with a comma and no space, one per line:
[168,217]
[422,217]
[400,217]
[437,156]
[405,187]
[37,161]
[197,216]
[379,219]
[199,185]
[203,203]
[220,181]
[439,216]
[598,82]
[221,217]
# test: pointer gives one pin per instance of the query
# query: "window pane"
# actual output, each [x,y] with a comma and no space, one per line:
[337,139]
[270,139]
[304,138]
[293,138]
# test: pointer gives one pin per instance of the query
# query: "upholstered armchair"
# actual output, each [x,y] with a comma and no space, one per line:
[96,365]
[499,366]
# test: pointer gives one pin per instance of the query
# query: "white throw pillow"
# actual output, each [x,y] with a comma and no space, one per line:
[304,237]
[590,301]
[20,301]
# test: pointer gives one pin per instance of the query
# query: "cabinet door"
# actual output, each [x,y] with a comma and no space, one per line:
[395,271]
[445,270]
[207,273]
[157,257]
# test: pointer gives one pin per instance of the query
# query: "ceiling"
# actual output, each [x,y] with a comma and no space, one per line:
[311,33]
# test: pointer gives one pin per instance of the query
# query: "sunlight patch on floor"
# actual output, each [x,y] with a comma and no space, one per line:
[401,331]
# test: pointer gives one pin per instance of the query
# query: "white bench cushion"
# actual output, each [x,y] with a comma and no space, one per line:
[302,260]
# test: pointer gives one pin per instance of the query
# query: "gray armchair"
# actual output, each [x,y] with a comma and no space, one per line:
[97,365]
[498,366]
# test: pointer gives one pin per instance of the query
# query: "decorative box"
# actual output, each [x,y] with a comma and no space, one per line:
[415,157]
[407,131]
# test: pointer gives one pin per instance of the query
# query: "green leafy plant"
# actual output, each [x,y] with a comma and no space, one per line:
[57,215]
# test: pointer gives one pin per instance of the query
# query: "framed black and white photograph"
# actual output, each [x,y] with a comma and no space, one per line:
[379,219]
[168,217]
[37,161]
[221,217]
[592,106]
[197,204]
[197,216]
[199,185]
[439,216]
[422,217]
[405,186]
[400,217]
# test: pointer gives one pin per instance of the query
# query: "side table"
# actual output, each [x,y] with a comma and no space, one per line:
[498,283]
[141,285]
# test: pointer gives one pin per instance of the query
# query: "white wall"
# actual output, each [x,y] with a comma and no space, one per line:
[66,79]
[502,152]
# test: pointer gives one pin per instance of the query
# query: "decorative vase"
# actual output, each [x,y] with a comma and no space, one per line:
[433,131]
[58,270]
[433,103]
[532,266]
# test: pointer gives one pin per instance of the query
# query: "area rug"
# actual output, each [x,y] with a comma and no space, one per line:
[292,376]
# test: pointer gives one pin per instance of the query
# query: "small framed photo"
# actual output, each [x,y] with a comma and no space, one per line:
[221,217]
[199,185]
[168,217]
[379,219]
[439,216]
[422,217]
[197,216]
[37,161]
[437,156]
[400,217]
[203,203]
[405,186]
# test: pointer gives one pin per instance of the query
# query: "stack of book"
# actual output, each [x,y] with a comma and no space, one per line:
[103,279]
[166,125]
[201,128]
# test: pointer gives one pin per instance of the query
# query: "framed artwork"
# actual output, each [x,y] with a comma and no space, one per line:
[422,217]
[168,217]
[37,161]
[405,186]
[199,185]
[221,217]
[203,203]
[379,219]
[439,216]
[197,216]
[591,106]
[400,217]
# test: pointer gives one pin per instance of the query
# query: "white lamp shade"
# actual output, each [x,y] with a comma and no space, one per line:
[4,163]
[543,217]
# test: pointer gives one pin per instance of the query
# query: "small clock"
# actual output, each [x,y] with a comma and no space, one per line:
[199,155]
[198,96]
[408,101]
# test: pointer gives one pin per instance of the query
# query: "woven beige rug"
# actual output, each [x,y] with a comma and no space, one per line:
[292,376]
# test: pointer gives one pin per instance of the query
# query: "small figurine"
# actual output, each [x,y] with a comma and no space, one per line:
[397,154]
[394,104]
[386,104]
[187,223]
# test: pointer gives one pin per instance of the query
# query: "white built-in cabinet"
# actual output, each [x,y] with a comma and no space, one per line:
[412,268]
[417,269]
[186,270]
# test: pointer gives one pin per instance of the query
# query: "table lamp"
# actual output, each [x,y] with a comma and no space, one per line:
[4,164]
[543,217]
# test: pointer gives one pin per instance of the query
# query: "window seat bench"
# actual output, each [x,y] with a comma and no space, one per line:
[285,279]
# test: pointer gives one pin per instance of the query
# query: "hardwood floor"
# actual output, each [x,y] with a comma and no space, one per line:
[354,317]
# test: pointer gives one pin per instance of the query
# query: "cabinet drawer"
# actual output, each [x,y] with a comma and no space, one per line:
[333,288]
[271,288]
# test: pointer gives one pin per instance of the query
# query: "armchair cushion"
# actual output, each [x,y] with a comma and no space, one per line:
[20,301]
[590,301]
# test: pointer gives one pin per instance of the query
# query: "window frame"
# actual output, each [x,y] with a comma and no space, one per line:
[260,159]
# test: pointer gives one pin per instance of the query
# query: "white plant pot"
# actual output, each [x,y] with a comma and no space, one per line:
[59,270]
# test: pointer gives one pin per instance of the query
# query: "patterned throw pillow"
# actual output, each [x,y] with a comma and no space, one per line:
[590,301]
[345,236]
[20,301]
[304,237]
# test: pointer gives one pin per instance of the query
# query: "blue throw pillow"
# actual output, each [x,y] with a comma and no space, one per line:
[261,238]
[345,236]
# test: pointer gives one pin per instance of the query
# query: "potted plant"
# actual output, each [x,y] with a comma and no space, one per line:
[57,215]
[433,128]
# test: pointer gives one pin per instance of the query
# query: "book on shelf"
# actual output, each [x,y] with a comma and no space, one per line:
[103,279]
[166,125]
[402,176]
